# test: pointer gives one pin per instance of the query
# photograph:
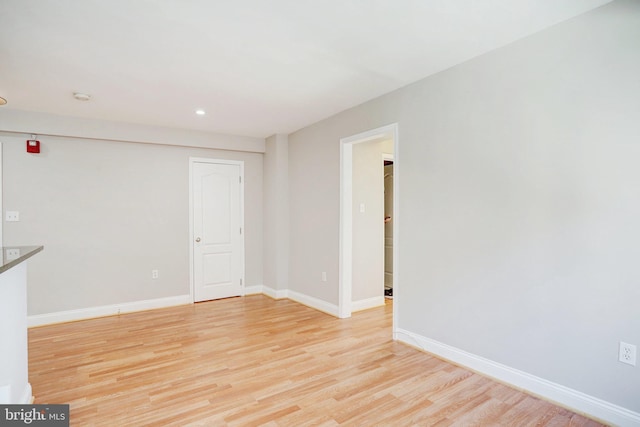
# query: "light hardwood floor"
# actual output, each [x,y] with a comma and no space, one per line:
[256,361]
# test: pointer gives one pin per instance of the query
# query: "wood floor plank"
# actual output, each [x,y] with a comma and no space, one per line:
[254,361]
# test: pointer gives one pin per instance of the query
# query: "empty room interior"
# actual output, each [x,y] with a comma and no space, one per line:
[321,213]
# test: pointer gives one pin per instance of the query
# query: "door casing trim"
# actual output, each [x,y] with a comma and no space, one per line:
[346,216]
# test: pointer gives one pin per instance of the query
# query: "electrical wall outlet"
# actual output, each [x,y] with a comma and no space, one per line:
[154,274]
[13,253]
[12,216]
[627,353]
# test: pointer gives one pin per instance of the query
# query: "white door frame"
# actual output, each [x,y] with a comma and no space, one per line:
[192,161]
[346,215]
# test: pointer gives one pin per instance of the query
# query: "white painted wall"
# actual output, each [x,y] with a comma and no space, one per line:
[108,213]
[276,213]
[519,203]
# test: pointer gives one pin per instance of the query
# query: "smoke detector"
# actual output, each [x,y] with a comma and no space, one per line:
[81,96]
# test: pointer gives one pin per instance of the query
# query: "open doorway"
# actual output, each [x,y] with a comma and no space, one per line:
[387,170]
[353,211]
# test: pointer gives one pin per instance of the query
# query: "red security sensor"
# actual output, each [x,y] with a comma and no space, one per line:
[33,146]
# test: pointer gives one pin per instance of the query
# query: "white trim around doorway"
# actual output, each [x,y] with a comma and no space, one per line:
[345,305]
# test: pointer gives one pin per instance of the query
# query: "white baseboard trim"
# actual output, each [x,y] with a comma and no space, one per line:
[266,290]
[365,304]
[564,396]
[254,290]
[129,307]
[106,310]
[313,303]
[275,293]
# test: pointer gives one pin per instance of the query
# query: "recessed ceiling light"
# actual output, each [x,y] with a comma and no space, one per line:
[2,101]
[81,96]
[200,112]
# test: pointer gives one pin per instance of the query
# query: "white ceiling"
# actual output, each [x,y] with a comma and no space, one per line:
[257,67]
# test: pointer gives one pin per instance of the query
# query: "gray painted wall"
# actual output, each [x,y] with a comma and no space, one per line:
[30,122]
[519,203]
[314,200]
[276,213]
[108,213]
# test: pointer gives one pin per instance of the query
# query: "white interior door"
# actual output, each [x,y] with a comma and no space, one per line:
[218,244]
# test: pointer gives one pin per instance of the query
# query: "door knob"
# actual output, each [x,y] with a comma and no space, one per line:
[197,239]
